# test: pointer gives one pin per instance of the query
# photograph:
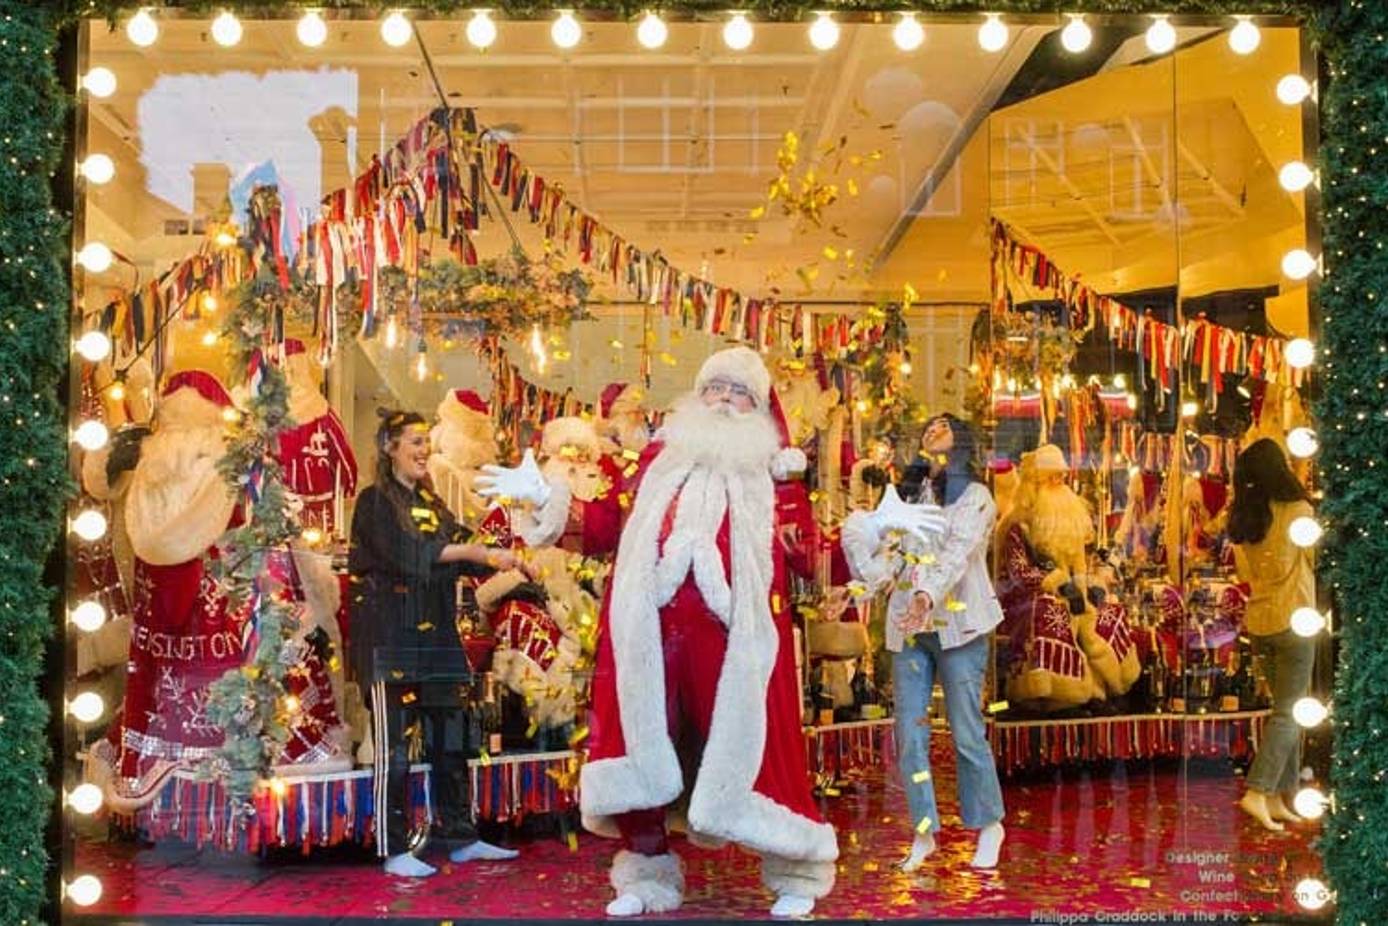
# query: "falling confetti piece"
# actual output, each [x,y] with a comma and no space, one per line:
[924,825]
[615,344]
[870,866]
[667,358]
[997,707]
[573,841]
[831,252]
[918,778]
[1140,882]
[484,757]
[757,212]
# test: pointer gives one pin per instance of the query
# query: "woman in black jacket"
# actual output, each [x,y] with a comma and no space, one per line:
[407,555]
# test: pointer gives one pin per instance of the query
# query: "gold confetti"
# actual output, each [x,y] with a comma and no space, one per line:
[615,344]
[997,707]
[852,187]
[667,358]
[534,724]
[870,866]
[1140,882]
[919,777]
[831,252]
[572,839]
[484,757]
[579,735]
[757,212]
[924,825]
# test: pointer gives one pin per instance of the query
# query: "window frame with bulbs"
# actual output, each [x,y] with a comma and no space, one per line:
[822,32]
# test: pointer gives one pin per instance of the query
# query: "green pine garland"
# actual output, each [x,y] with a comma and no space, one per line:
[1354,160]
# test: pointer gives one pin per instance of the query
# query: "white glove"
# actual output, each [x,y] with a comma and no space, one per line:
[523,483]
[922,520]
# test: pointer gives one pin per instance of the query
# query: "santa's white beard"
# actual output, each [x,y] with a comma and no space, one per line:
[630,434]
[720,437]
[1059,523]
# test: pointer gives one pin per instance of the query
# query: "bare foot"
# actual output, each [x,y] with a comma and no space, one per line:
[1255,804]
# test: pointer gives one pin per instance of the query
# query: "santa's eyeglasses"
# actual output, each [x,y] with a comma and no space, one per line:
[723,387]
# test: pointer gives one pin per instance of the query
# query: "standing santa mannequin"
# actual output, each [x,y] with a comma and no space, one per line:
[695,686]
[462,441]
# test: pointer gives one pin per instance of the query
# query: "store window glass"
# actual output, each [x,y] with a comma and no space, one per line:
[560,469]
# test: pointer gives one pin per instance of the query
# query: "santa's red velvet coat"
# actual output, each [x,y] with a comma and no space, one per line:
[752,786]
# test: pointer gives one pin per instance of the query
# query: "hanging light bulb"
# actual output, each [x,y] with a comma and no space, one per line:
[226,29]
[1161,35]
[481,29]
[1076,36]
[396,29]
[824,32]
[142,30]
[1295,176]
[566,31]
[1190,408]
[1302,442]
[311,30]
[93,346]
[392,333]
[1309,712]
[95,257]
[209,338]
[99,82]
[1131,401]
[1120,381]
[1300,353]
[97,168]
[91,435]
[1298,263]
[88,616]
[421,366]
[909,34]
[1293,89]
[1309,803]
[117,391]
[1305,531]
[652,32]
[89,524]
[905,368]
[537,349]
[992,35]
[1244,37]
[737,33]
[84,890]
[85,798]
[87,707]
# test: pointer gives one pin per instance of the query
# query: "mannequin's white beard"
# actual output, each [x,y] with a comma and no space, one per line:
[719,437]
[630,434]
[1059,523]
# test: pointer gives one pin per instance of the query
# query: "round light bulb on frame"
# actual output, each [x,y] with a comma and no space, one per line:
[1293,89]
[1160,36]
[1076,36]
[87,707]
[1298,263]
[481,29]
[1309,712]
[566,31]
[824,32]
[1244,37]
[91,435]
[99,82]
[89,524]
[1305,532]
[1309,803]
[88,616]
[97,168]
[908,34]
[226,29]
[1189,409]
[311,30]
[84,890]
[85,798]
[93,346]
[1299,354]
[1295,176]
[737,32]
[652,32]
[1311,893]
[1307,622]
[993,34]
[142,29]
[396,29]
[1302,443]
[95,257]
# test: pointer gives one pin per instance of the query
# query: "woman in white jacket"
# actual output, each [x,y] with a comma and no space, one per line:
[940,613]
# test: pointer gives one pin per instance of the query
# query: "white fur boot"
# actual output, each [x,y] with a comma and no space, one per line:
[646,883]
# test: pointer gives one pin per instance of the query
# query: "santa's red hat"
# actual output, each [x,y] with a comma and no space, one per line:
[192,398]
[610,394]
[469,399]
[789,460]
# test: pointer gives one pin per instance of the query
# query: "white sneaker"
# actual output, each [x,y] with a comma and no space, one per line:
[789,906]
[406,865]
[480,851]
[626,905]
[989,846]
[922,847]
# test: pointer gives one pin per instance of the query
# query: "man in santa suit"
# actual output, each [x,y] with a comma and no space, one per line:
[694,688]
[185,636]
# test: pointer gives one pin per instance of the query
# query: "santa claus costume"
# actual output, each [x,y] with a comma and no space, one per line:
[694,689]
[185,636]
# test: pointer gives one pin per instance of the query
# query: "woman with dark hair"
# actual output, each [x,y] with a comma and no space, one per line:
[939,616]
[1281,575]
[407,554]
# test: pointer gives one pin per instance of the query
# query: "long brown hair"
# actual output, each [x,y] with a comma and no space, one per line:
[394,423]
[1261,476]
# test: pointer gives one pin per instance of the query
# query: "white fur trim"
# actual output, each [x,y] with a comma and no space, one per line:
[788,462]
[724,803]
[569,431]
[740,365]
[501,584]
[94,479]
[543,526]
[802,879]
[455,413]
[178,503]
[657,879]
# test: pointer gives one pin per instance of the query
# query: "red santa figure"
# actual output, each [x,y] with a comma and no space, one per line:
[694,687]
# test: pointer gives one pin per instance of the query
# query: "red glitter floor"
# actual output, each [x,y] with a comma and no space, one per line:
[1124,840]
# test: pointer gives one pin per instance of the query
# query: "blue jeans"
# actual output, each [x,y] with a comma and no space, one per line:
[961,672]
[1287,659]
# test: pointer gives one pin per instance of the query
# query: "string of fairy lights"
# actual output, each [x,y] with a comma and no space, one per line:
[89,524]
